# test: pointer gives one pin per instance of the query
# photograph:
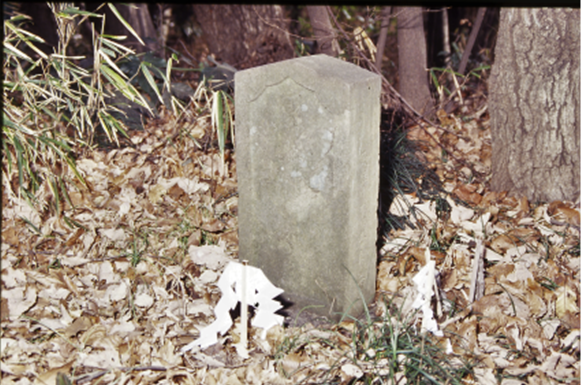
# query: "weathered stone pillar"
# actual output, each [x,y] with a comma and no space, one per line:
[307,152]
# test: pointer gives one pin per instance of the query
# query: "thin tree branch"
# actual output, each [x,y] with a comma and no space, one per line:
[471,40]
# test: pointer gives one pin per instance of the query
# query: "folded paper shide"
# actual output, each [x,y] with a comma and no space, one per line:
[424,281]
[249,286]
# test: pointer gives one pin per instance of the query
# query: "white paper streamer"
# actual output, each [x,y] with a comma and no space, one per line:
[259,294]
[424,281]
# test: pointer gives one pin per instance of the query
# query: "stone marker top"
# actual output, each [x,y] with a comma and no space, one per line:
[309,72]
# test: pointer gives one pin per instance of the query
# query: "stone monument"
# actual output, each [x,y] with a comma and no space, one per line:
[307,153]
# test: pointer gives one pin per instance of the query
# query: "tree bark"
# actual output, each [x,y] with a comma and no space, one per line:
[245,35]
[323,30]
[385,12]
[534,104]
[411,42]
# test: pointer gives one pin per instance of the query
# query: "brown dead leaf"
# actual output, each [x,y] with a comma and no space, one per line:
[484,304]
[73,238]
[77,198]
[468,330]
[50,376]
[214,225]
[81,324]
[467,193]
[416,133]
[438,256]
[4,310]
[509,201]
[504,242]
[523,205]
[554,205]
[562,212]
[444,119]
[156,194]
[195,238]
[536,304]
[449,279]
[10,236]
[176,192]
[489,198]
[524,234]
[230,237]
[419,253]
[194,215]
[293,362]
[571,320]
[565,302]
[448,139]
[221,191]
[385,279]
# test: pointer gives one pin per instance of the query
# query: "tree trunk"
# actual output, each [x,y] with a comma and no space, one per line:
[385,12]
[245,35]
[323,30]
[411,43]
[534,104]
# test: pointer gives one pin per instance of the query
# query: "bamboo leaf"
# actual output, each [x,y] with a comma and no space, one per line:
[126,89]
[434,78]
[77,11]
[116,47]
[143,66]
[111,63]
[20,33]
[125,23]
[9,48]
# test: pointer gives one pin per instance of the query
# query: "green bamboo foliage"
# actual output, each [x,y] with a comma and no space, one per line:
[222,120]
[46,97]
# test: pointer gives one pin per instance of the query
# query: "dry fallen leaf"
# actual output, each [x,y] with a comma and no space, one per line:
[566,301]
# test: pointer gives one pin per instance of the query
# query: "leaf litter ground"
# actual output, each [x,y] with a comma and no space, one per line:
[114,298]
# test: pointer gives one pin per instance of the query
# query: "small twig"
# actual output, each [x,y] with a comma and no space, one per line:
[91,377]
[141,368]
[457,318]
[100,373]
[102,260]
[471,39]
[438,299]
[186,51]
[477,281]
